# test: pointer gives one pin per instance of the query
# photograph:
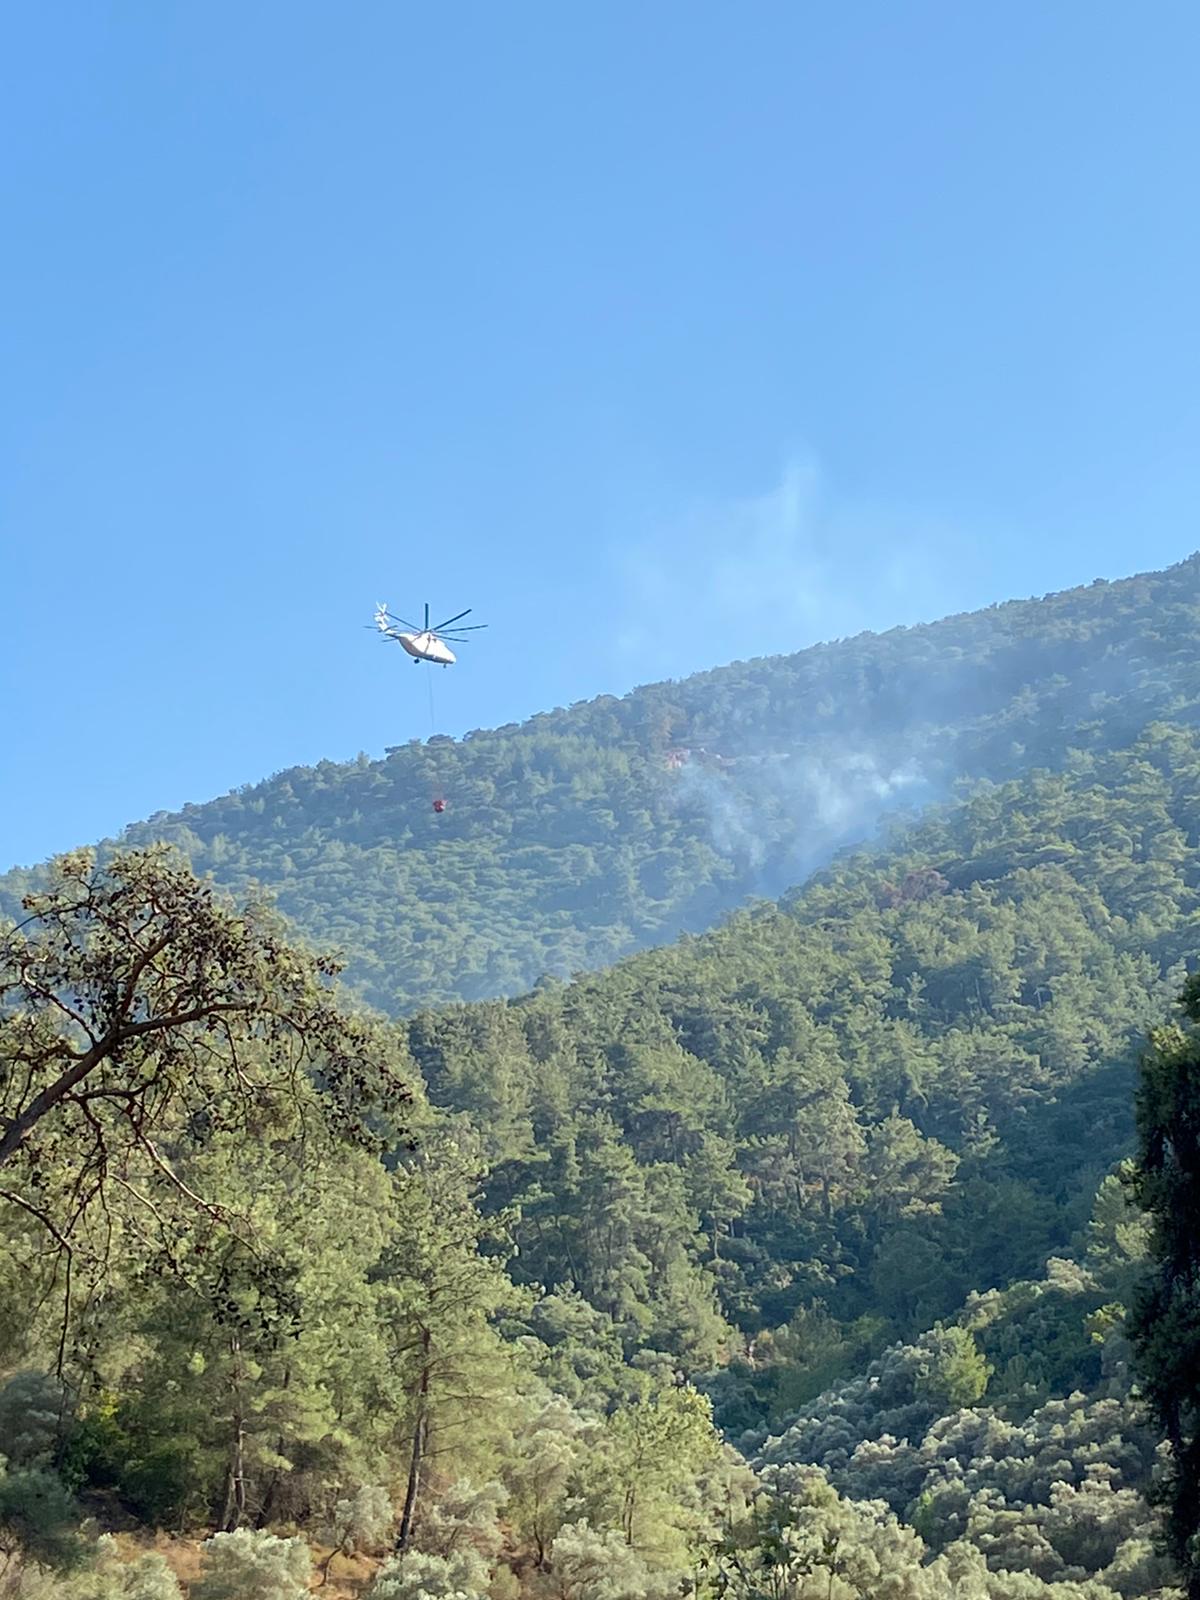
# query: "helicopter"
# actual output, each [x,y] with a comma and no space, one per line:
[426,643]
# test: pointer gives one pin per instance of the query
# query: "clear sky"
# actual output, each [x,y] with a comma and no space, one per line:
[660,333]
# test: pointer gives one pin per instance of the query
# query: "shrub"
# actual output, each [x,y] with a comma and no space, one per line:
[419,1576]
[250,1565]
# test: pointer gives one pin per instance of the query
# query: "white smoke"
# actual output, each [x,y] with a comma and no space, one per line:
[730,829]
[793,812]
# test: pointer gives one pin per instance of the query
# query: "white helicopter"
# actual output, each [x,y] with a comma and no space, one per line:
[426,643]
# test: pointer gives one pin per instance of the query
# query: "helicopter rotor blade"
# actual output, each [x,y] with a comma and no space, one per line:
[427,616]
[382,615]
[449,620]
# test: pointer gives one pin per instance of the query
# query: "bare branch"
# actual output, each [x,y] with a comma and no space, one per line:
[180,1019]
[216,1212]
[27,1205]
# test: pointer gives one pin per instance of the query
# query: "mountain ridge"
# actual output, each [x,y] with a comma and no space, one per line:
[616,824]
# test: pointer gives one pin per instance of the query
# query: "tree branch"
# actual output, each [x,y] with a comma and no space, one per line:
[26,1205]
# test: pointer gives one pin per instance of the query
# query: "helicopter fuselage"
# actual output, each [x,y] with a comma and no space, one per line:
[427,647]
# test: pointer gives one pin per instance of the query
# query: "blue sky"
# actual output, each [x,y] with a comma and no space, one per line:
[661,334]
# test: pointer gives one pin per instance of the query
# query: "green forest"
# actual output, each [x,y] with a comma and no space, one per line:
[571,840]
[723,1155]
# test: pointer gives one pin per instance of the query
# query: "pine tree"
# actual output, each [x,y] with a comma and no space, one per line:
[450,1375]
[1165,1325]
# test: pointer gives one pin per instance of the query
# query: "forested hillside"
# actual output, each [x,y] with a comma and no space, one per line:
[887,1109]
[836,1177]
[904,1084]
[788,1258]
[592,832]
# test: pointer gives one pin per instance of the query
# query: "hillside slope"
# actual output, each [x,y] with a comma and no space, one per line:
[592,832]
[902,1085]
[887,1107]
[758,1158]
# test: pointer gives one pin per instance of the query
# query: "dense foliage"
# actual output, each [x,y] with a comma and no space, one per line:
[835,1183]
[575,838]
[837,1116]
[134,1003]
[1166,1322]
[757,1158]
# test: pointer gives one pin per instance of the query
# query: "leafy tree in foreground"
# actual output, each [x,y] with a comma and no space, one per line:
[1165,1325]
[141,1017]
